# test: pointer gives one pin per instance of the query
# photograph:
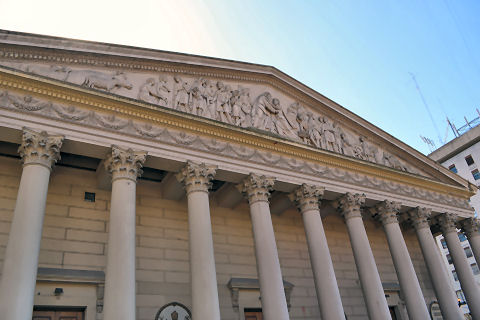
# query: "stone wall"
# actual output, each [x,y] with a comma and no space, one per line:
[75,237]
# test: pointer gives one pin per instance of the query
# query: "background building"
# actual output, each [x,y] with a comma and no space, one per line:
[462,156]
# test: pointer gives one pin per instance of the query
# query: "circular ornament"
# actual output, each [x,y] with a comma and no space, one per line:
[173,311]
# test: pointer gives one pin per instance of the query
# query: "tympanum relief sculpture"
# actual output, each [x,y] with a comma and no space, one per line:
[229,103]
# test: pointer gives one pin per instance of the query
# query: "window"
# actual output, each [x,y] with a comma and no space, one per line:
[462,237]
[453,168]
[449,259]
[469,160]
[455,277]
[476,174]
[475,268]
[468,252]
[444,243]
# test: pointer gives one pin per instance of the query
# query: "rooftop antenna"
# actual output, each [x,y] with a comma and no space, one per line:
[426,107]
[429,142]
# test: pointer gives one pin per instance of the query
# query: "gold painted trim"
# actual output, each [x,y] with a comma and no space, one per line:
[96,100]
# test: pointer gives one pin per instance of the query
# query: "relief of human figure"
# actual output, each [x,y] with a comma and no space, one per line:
[237,113]
[368,150]
[198,103]
[315,131]
[330,136]
[211,98]
[154,92]
[263,111]
[282,124]
[303,119]
[181,95]
[223,103]
[246,107]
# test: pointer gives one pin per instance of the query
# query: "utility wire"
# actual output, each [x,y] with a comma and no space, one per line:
[426,107]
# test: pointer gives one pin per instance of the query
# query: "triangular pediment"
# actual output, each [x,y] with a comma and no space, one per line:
[257,98]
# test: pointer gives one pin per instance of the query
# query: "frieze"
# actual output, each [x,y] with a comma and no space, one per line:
[144,129]
[245,105]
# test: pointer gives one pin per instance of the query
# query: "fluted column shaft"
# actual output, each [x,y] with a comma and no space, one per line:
[436,268]
[373,294]
[462,267]
[39,151]
[387,212]
[471,227]
[197,180]
[307,200]
[119,302]
[274,305]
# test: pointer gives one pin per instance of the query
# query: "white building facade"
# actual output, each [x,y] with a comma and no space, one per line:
[140,184]
[461,156]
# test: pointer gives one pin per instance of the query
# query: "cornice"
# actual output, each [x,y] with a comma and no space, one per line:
[94,100]
[53,50]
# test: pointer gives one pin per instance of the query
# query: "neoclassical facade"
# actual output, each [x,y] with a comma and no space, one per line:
[141,184]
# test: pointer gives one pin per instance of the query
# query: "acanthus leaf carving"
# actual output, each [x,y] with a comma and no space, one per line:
[40,148]
[307,197]
[125,163]
[256,187]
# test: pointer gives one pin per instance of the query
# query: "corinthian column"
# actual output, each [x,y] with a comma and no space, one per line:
[471,227]
[436,268]
[470,287]
[373,294]
[387,212]
[257,189]
[125,166]
[39,151]
[197,180]
[307,200]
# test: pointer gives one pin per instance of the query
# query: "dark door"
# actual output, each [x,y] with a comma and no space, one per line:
[253,315]
[392,313]
[57,315]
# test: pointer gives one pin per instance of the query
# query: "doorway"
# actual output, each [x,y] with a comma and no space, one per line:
[54,313]
[253,314]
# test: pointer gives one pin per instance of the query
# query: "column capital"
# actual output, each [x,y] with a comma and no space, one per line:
[387,211]
[197,176]
[256,187]
[420,217]
[125,163]
[448,222]
[471,227]
[349,205]
[40,148]
[307,197]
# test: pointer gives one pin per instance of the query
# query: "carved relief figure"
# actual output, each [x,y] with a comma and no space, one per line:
[55,72]
[154,92]
[99,80]
[264,110]
[223,103]
[181,95]
[198,103]
[246,107]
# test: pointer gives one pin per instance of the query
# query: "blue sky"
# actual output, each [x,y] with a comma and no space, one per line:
[357,53]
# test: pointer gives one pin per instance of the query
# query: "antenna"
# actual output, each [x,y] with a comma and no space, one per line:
[429,142]
[426,107]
